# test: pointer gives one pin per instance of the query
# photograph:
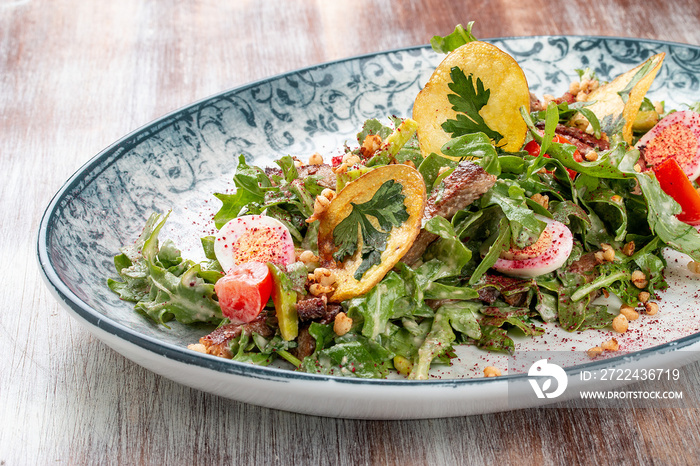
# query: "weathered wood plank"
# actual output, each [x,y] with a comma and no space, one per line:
[75,76]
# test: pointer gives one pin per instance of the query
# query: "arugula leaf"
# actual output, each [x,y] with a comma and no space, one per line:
[445,257]
[501,242]
[438,341]
[463,317]
[596,317]
[457,38]
[525,227]
[662,210]
[476,145]
[568,110]
[376,306]
[610,208]
[495,339]
[358,356]
[388,208]
[467,101]
[164,285]
[431,166]
[551,119]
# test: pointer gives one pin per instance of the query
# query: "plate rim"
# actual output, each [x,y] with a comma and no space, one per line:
[109,155]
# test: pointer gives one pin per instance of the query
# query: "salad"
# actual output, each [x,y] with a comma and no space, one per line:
[486,214]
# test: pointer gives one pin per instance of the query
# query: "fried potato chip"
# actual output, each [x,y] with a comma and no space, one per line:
[400,238]
[616,103]
[499,73]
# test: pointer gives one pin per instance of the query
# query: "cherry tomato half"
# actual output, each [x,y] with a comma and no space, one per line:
[533,148]
[244,291]
[676,184]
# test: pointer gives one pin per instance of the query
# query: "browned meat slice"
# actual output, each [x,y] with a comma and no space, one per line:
[466,184]
[332,310]
[583,141]
[325,172]
[311,308]
[488,294]
[306,344]
[586,267]
[317,309]
[217,342]
[514,291]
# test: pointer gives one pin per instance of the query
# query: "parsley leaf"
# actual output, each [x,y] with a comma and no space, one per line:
[388,208]
[467,101]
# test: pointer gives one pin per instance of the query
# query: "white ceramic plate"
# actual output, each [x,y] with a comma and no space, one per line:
[177,161]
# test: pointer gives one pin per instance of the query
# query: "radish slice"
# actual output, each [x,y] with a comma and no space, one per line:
[676,135]
[547,254]
[253,238]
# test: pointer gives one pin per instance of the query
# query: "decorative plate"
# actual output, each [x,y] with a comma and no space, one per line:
[178,161]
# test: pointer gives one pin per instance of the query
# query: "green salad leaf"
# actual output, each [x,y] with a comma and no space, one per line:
[163,285]
[458,37]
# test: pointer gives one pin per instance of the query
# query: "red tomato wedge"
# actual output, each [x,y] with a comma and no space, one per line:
[244,291]
[676,184]
[533,148]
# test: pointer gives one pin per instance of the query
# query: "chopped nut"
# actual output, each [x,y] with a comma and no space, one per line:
[629,312]
[323,276]
[594,352]
[370,145]
[694,267]
[651,308]
[308,257]
[643,296]
[659,107]
[197,347]
[320,205]
[316,159]
[611,345]
[328,194]
[637,168]
[491,371]
[351,159]
[639,279]
[608,252]
[574,88]
[620,324]
[342,324]
[340,169]
[628,249]
[541,199]
[317,289]
[591,156]
[599,257]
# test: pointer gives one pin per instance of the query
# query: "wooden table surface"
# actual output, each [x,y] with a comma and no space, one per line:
[77,75]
